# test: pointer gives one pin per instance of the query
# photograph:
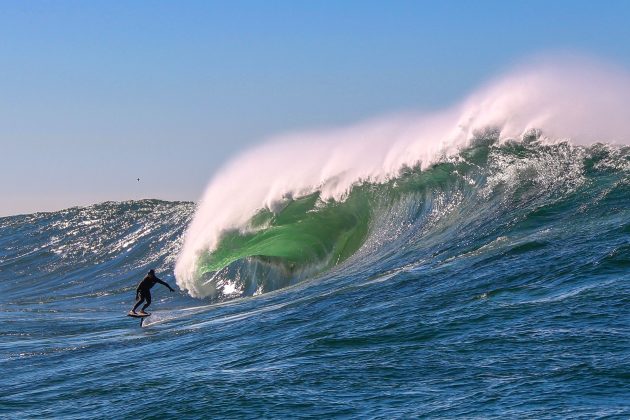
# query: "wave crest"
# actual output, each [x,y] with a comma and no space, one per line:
[578,101]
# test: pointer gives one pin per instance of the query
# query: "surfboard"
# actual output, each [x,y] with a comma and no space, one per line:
[137,315]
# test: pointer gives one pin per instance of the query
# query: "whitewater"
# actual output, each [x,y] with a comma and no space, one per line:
[468,262]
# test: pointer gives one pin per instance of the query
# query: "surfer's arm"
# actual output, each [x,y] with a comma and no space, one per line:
[165,284]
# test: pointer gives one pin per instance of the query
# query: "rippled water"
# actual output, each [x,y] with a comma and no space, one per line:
[501,292]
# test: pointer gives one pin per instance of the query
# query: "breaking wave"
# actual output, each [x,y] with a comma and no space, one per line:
[307,202]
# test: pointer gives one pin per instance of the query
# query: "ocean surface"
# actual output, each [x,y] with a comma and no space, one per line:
[493,283]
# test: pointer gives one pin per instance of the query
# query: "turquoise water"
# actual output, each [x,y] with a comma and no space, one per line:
[494,284]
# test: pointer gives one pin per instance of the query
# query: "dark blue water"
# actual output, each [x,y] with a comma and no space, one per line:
[502,293]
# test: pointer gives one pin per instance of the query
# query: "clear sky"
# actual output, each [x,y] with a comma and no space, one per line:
[96,94]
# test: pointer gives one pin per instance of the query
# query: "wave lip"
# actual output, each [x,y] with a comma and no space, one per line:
[577,100]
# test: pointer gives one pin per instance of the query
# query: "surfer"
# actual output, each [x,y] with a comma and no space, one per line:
[143,291]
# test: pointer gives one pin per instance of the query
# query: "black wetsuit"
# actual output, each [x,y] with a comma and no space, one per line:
[143,291]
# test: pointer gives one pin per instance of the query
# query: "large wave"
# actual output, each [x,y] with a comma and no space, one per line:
[306,202]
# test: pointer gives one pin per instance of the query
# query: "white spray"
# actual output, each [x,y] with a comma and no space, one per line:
[578,101]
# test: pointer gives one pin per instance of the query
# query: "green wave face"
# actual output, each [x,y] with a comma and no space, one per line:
[483,182]
[307,231]
[309,235]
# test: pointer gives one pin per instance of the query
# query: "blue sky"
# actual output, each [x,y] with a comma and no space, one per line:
[95,94]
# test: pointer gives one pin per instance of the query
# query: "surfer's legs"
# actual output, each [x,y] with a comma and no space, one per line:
[140,300]
[143,295]
[148,299]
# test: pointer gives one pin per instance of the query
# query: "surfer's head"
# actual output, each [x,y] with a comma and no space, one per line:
[152,272]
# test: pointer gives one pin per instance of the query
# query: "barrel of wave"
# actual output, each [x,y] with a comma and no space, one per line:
[282,246]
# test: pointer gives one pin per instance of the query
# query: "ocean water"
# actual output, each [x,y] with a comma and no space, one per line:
[494,282]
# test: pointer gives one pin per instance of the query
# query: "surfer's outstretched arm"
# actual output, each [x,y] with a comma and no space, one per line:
[165,284]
